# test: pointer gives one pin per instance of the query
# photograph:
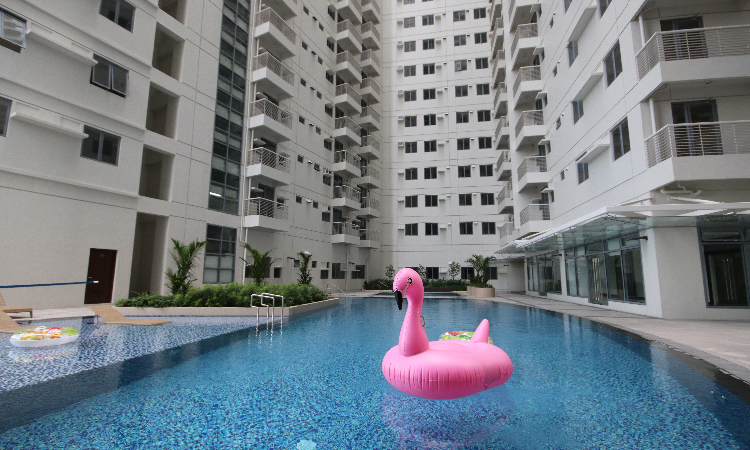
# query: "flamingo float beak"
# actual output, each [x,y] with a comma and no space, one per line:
[399,300]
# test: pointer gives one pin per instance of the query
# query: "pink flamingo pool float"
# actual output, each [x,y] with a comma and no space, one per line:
[440,370]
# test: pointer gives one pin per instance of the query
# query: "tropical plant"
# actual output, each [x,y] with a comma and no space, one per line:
[390,272]
[454,269]
[481,265]
[184,256]
[261,265]
[305,273]
[422,271]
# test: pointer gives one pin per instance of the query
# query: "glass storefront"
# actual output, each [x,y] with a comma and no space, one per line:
[725,270]
[543,273]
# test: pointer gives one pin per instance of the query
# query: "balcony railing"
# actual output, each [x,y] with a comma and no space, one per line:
[369,235]
[524,31]
[527,73]
[369,171]
[506,229]
[369,82]
[534,212]
[369,202]
[530,118]
[356,5]
[375,5]
[347,122]
[532,164]
[369,111]
[497,25]
[346,57]
[501,89]
[504,158]
[274,65]
[269,15]
[345,156]
[505,192]
[271,110]
[268,158]
[369,26]
[265,207]
[347,25]
[499,55]
[371,141]
[347,89]
[345,191]
[344,228]
[698,139]
[697,43]
[502,123]
[370,54]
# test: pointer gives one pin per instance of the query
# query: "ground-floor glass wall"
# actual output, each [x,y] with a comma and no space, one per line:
[543,273]
[725,255]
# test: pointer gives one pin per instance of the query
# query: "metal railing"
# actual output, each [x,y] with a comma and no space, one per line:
[530,118]
[347,122]
[345,191]
[370,54]
[344,228]
[374,4]
[265,207]
[346,57]
[369,26]
[369,111]
[698,139]
[502,123]
[347,157]
[697,43]
[271,110]
[347,89]
[527,73]
[369,82]
[369,202]
[267,157]
[532,164]
[524,31]
[499,55]
[504,158]
[371,141]
[506,229]
[505,192]
[497,24]
[501,89]
[369,235]
[274,65]
[535,212]
[369,171]
[347,25]
[269,15]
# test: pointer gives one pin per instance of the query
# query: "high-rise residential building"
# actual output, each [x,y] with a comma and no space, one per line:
[598,147]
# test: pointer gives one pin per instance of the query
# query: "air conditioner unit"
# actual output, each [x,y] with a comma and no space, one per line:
[400,143]
[401,227]
[400,92]
[401,172]
[400,68]
[441,142]
[399,20]
[400,118]
[441,117]
[400,44]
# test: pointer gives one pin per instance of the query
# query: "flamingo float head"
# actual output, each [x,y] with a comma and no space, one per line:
[407,281]
[412,339]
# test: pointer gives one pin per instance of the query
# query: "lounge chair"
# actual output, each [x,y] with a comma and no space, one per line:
[14,309]
[110,315]
[8,325]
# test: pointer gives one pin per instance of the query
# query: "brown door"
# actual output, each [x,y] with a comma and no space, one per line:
[101,269]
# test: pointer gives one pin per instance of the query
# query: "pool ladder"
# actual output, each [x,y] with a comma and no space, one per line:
[328,286]
[272,306]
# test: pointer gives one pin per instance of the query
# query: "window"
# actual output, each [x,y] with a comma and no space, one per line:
[577,110]
[461,65]
[408,2]
[326,216]
[467,272]
[428,69]
[482,63]
[329,110]
[336,272]
[428,44]
[483,89]
[465,228]
[493,272]
[430,173]
[304,45]
[410,96]
[410,46]
[480,38]
[100,146]
[305,10]
[621,139]
[4,115]
[603,5]
[487,199]
[462,117]
[316,166]
[332,12]
[277,272]
[430,119]
[463,144]
[12,31]
[485,142]
[562,175]
[358,273]
[480,13]
[484,116]
[109,76]
[428,94]
[613,64]
[433,273]
[488,227]
[301,119]
[409,22]
[459,16]
[315,205]
[317,130]
[464,171]
[218,266]
[411,229]
[459,40]
[410,173]
[430,201]
[298,199]
[464,199]
[583,172]
[485,170]
[303,82]
[119,12]
[430,229]
[410,147]
[428,20]
[572,52]
[410,121]
[462,91]
[329,77]
[430,146]
[300,158]
[554,71]
[410,71]
[323,274]
[331,45]
[724,267]
[411,201]
[558,123]
[566,4]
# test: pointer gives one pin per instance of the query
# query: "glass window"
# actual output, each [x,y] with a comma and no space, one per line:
[577,110]
[572,52]
[463,144]
[467,273]
[485,170]
[633,269]
[483,89]
[466,228]
[482,63]
[428,20]
[336,272]
[613,64]
[462,117]
[583,172]
[464,171]
[100,146]
[428,69]
[462,91]
[410,46]
[410,71]
[410,174]
[488,227]
[430,173]
[615,282]
[459,16]
[433,273]
[459,40]
[409,22]
[119,12]
[430,146]
[480,13]
[485,142]
[487,198]
[430,119]
[603,5]
[484,116]
[621,139]
[410,96]
[430,229]
[324,272]
[109,76]
[218,266]
[725,271]
[411,229]
[410,147]
[480,38]
[461,65]
[430,201]
[4,115]
[12,31]
[428,44]
[411,201]
[566,4]
[410,121]
[428,94]
[464,199]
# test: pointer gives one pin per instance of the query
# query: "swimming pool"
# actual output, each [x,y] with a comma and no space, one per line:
[576,385]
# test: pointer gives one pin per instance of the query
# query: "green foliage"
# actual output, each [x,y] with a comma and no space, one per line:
[454,269]
[305,274]
[184,256]
[481,265]
[382,284]
[260,266]
[390,272]
[422,271]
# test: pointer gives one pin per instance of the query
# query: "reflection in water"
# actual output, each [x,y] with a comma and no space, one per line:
[27,355]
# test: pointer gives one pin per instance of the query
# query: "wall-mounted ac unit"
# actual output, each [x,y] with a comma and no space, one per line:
[441,117]
[401,227]
[400,143]
[400,92]
[399,21]
[400,44]
[400,68]
[441,142]
[400,118]
[400,172]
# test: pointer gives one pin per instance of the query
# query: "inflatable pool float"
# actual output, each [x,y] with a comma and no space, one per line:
[44,337]
[440,370]
[459,336]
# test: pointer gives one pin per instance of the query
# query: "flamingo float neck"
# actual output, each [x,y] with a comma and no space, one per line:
[413,339]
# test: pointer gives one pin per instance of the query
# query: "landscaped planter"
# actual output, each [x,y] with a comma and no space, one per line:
[481,292]
[227,311]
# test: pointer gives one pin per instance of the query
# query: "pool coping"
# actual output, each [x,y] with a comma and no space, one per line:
[289,311]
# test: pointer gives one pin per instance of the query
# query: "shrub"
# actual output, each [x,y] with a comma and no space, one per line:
[382,284]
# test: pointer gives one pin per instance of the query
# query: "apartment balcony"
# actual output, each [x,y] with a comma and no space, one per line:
[371,11]
[369,207]
[505,233]
[525,42]
[271,121]
[284,8]
[346,164]
[347,131]
[272,76]
[530,128]
[534,219]
[503,166]
[349,10]
[691,58]
[505,200]
[527,85]
[369,239]
[267,166]
[495,12]
[346,197]
[369,147]
[344,233]
[502,133]
[497,36]
[498,67]
[265,214]
[370,91]
[370,178]
[520,11]
[369,119]
[370,36]
[348,67]
[370,63]
[274,34]
[348,37]
[347,99]
[501,100]
[532,173]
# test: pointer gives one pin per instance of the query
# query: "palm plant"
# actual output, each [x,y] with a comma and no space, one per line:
[184,256]
[481,265]
[305,274]
[261,265]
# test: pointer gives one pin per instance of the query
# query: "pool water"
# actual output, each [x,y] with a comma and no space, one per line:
[317,383]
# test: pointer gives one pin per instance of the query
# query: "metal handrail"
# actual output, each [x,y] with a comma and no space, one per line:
[344,228]
[502,159]
[369,171]
[502,123]
[370,111]
[369,202]
[506,229]
[267,157]
[524,31]
[370,54]
[532,164]
[257,312]
[501,89]
[257,206]
[347,122]
[369,235]
[505,192]
[345,191]
[267,60]
[696,43]
[273,111]
[347,25]
[347,89]
[698,139]
[269,15]
[537,211]
[527,73]
[346,57]
[328,286]
[369,26]
[371,141]
[346,156]
[273,307]
[530,118]
[369,82]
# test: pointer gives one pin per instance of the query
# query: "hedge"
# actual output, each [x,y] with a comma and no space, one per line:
[385,284]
